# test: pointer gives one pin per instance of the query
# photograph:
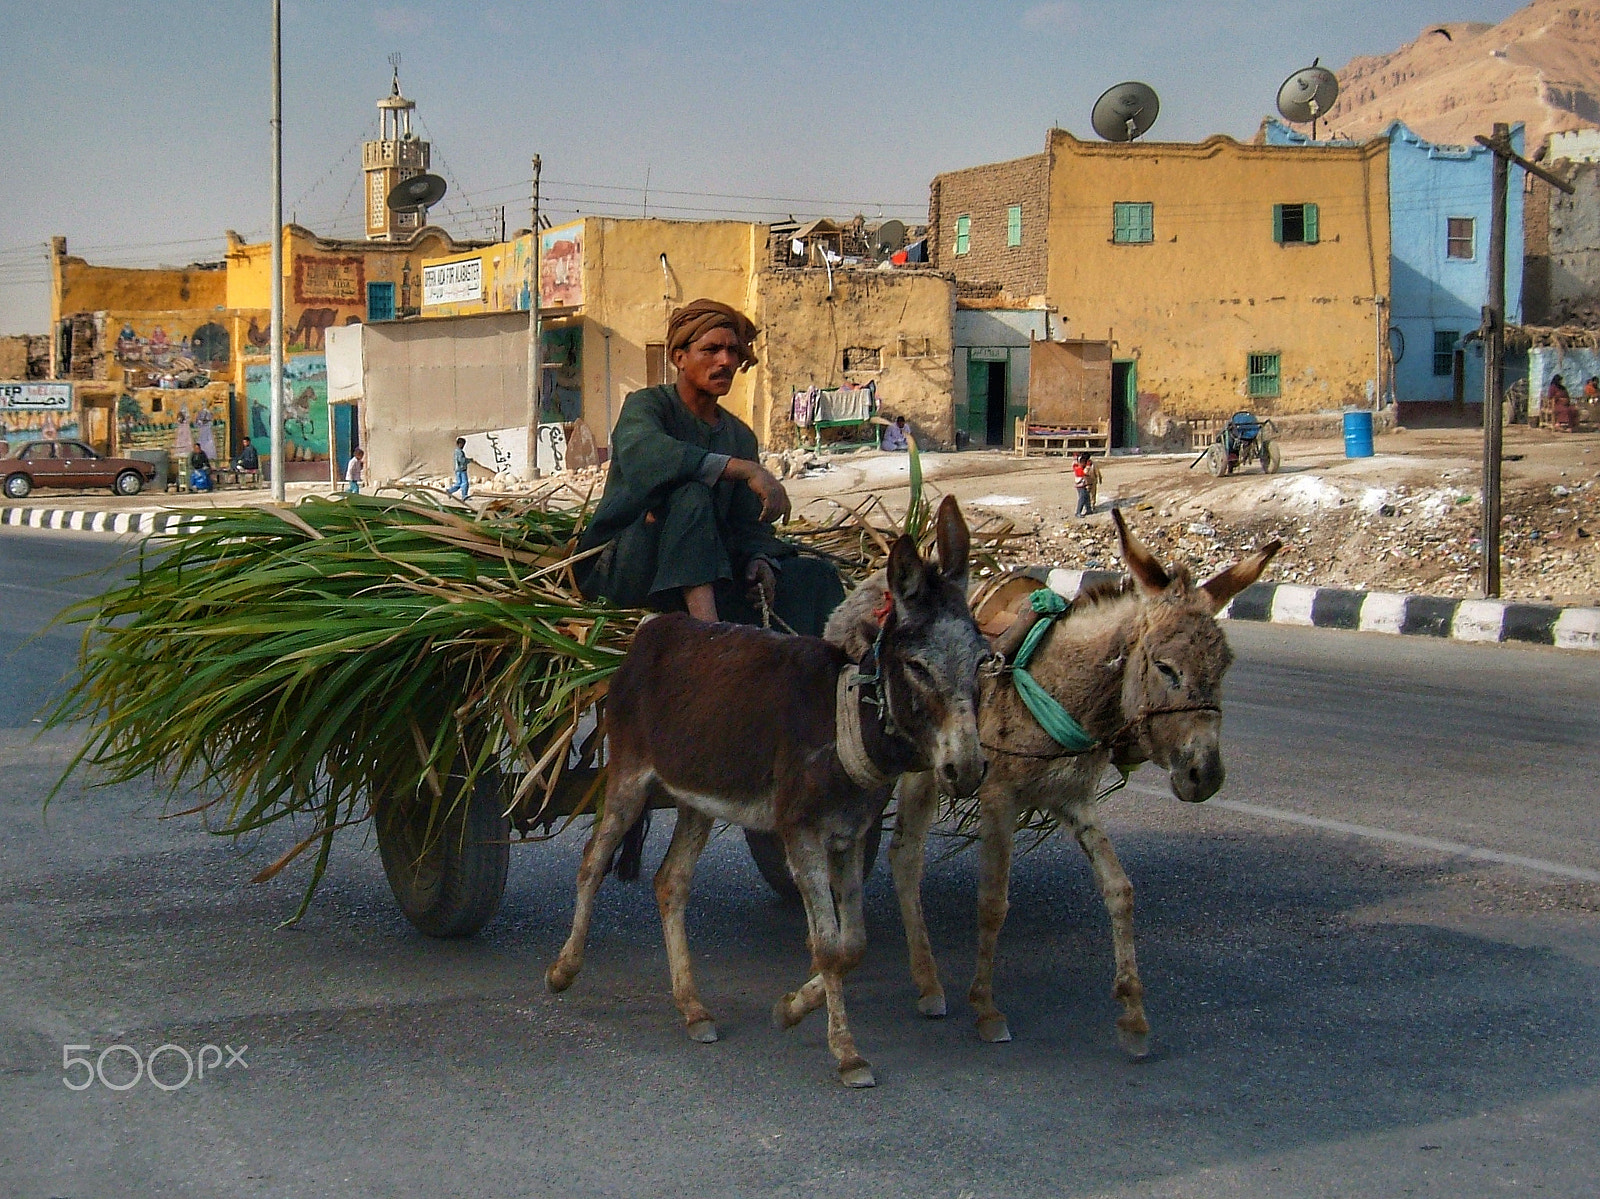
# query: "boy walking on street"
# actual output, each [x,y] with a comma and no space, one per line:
[1083,478]
[352,472]
[461,484]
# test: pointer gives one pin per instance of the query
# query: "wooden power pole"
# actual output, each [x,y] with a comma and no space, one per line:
[535,334]
[1493,334]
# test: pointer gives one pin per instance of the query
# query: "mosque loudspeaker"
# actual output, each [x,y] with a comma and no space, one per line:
[417,192]
[891,235]
[1125,112]
[1308,94]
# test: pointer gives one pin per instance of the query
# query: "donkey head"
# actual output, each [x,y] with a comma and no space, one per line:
[930,651]
[1173,681]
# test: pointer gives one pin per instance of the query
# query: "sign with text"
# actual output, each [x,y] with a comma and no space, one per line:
[36,397]
[453,282]
[507,449]
[327,279]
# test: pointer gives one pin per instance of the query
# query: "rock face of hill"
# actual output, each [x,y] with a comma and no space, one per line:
[1541,66]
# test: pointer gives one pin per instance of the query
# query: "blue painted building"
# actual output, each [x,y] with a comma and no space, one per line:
[1439,198]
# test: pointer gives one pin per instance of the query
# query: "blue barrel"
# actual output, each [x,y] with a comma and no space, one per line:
[1358,434]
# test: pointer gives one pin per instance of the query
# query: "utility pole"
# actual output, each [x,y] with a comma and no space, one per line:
[535,354]
[1493,333]
[275,374]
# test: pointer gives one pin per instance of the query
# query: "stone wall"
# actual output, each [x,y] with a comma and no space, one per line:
[983,195]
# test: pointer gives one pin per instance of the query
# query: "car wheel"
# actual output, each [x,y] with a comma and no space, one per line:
[129,482]
[18,486]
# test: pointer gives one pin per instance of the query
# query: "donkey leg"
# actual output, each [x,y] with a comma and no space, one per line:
[672,897]
[919,804]
[1133,1030]
[999,830]
[626,795]
[806,859]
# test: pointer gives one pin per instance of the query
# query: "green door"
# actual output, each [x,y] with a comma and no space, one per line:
[977,422]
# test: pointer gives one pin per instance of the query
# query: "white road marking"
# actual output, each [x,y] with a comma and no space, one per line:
[1436,844]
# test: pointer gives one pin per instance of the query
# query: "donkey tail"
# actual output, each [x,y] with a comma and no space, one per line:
[630,854]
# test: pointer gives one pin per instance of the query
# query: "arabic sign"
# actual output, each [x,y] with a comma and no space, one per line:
[452,282]
[36,397]
[322,279]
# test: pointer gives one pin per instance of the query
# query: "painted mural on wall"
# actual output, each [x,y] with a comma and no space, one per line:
[562,397]
[324,285]
[35,412]
[157,345]
[561,267]
[175,420]
[305,407]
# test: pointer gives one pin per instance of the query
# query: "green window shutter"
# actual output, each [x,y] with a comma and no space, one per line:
[1014,225]
[1147,221]
[963,234]
[1311,223]
[1132,222]
[1277,223]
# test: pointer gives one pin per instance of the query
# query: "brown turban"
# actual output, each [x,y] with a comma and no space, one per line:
[698,317]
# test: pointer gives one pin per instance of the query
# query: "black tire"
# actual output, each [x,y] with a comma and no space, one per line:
[767,850]
[18,486]
[453,887]
[129,482]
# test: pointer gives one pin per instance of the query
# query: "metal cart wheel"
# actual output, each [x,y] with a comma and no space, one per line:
[1217,459]
[449,885]
[1271,458]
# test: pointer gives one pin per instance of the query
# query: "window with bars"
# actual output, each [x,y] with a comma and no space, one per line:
[1133,224]
[963,234]
[1264,375]
[1014,225]
[1294,224]
[1459,237]
[1444,351]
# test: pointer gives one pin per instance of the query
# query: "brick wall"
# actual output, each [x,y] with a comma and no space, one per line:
[984,194]
[1536,252]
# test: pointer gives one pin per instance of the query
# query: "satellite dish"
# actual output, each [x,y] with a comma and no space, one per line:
[891,235]
[1308,94]
[1125,112]
[419,191]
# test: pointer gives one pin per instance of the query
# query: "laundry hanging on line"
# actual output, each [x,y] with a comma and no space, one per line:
[834,405]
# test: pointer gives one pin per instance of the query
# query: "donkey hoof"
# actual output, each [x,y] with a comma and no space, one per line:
[932,1006]
[783,1015]
[993,1029]
[704,1031]
[857,1074]
[558,978]
[1135,1044]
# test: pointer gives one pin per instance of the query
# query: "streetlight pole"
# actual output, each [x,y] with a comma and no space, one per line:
[276,373]
[1493,334]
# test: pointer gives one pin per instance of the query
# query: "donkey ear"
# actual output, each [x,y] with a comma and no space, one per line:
[1240,575]
[908,577]
[955,543]
[1151,576]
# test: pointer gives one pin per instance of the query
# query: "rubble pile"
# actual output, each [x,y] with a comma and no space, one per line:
[1417,540]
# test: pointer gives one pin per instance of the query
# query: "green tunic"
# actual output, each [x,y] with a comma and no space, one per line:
[672,522]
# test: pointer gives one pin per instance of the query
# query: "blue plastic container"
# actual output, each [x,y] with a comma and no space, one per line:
[1358,434]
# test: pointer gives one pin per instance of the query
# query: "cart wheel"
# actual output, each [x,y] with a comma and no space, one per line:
[767,850]
[1271,458]
[1217,459]
[451,886]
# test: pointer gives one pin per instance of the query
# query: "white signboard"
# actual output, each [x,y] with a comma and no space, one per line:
[453,282]
[36,397]
[507,449]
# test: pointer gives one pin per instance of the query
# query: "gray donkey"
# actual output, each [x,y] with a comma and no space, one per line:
[787,734]
[1140,667]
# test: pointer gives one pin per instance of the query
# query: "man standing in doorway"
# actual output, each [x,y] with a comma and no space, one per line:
[462,483]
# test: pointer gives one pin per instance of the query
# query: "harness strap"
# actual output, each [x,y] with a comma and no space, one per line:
[849,745]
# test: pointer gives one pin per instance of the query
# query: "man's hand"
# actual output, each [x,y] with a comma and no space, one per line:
[774,499]
[763,582]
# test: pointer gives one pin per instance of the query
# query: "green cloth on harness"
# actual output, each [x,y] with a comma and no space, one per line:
[1052,717]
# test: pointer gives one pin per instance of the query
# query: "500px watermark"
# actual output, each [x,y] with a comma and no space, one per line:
[125,1058]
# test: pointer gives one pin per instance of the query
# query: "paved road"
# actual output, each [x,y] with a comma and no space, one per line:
[1339,1014]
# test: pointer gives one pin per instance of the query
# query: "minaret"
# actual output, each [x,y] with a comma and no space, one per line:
[397,154]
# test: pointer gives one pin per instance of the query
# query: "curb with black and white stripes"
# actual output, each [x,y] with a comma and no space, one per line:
[99,521]
[1387,612]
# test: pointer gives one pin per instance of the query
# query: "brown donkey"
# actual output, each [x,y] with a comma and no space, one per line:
[1140,667]
[786,734]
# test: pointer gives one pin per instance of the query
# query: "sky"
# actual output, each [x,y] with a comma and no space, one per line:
[141,132]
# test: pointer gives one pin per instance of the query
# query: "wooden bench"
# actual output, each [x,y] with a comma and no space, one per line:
[1092,437]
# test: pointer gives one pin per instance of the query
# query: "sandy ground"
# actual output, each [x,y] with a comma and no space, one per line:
[1406,519]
